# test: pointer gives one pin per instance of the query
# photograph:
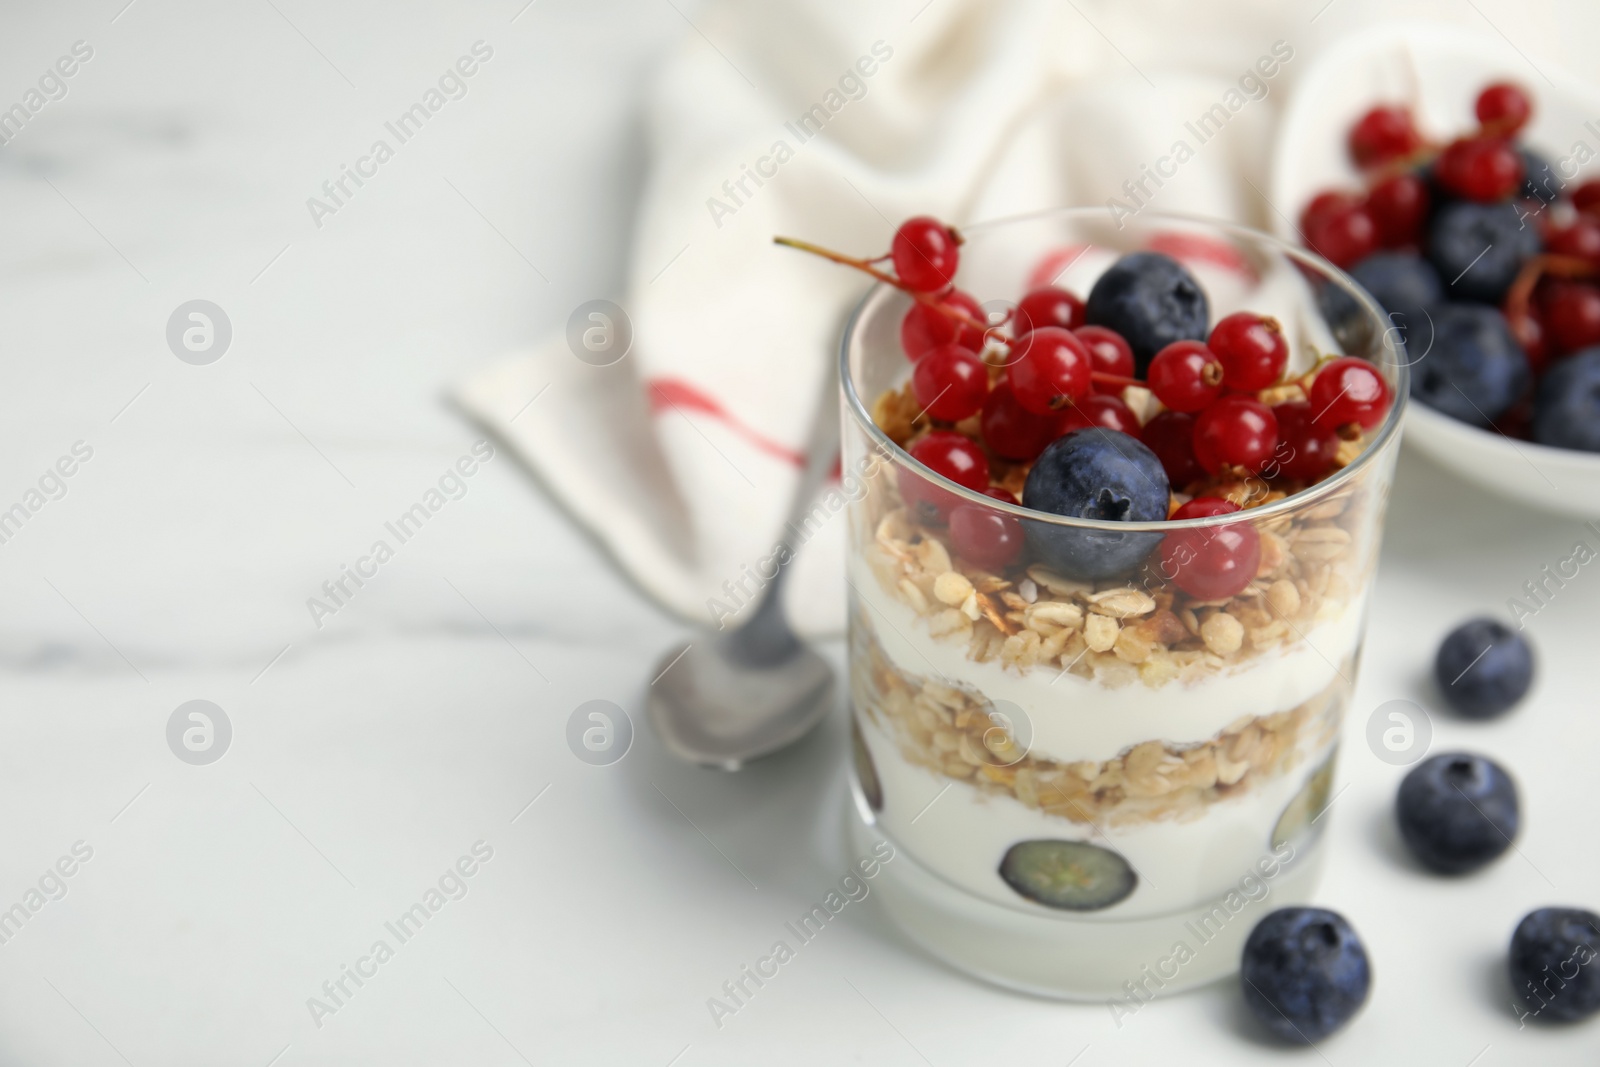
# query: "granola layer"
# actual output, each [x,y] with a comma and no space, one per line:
[953,731]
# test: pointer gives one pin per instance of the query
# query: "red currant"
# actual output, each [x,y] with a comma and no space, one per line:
[1586,197]
[1485,169]
[1344,235]
[1306,450]
[1505,107]
[1170,435]
[1185,376]
[984,537]
[1383,134]
[1399,206]
[1581,239]
[1049,369]
[925,253]
[1349,390]
[1099,409]
[1251,349]
[1049,306]
[950,383]
[1236,431]
[925,327]
[1010,430]
[950,455]
[1111,354]
[1571,314]
[1211,562]
[1325,205]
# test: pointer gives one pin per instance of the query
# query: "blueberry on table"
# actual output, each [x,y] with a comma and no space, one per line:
[1566,407]
[1553,966]
[1304,973]
[1069,875]
[1478,248]
[1098,474]
[1151,300]
[1483,668]
[1471,367]
[1457,812]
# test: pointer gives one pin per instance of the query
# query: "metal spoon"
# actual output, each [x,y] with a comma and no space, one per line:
[744,694]
[749,692]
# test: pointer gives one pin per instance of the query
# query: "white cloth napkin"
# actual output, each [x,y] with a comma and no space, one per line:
[683,458]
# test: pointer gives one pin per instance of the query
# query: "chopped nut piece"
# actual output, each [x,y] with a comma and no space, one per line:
[935,557]
[1122,603]
[951,587]
[1055,612]
[1057,584]
[1029,590]
[1222,633]
[1284,598]
[913,595]
[1100,632]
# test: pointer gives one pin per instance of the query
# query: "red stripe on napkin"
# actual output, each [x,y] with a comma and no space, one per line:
[680,396]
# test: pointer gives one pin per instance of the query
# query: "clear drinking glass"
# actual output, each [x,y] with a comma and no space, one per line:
[1095,788]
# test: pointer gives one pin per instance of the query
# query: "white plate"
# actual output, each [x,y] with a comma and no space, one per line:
[1438,71]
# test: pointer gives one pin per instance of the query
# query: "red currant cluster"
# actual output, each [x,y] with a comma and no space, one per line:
[1483,166]
[1523,245]
[998,393]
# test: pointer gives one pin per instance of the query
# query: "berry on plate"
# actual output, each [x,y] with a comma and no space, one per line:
[1485,169]
[1552,961]
[1503,106]
[1399,206]
[1457,812]
[1403,283]
[1484,667]
[1478,248]
[1304,973]
[1102,475]
[1566,408]
[1150,300]
[1383,134]
[1474,370]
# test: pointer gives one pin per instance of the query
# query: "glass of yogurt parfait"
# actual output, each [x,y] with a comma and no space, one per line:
[1099,764]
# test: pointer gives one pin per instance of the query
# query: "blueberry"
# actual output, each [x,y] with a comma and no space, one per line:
[1566,408]
[1304,973]
[1069,875]
[1553,965]
[1152,301]
[1539,182]
[1478,248]
[1483,668]
[1095,474]
[1470,367]
[1457,812]
[1403,283]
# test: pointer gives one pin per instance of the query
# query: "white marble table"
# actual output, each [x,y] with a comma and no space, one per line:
[427,716]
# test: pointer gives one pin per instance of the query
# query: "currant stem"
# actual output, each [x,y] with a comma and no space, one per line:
[866,267]
[1520,296]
